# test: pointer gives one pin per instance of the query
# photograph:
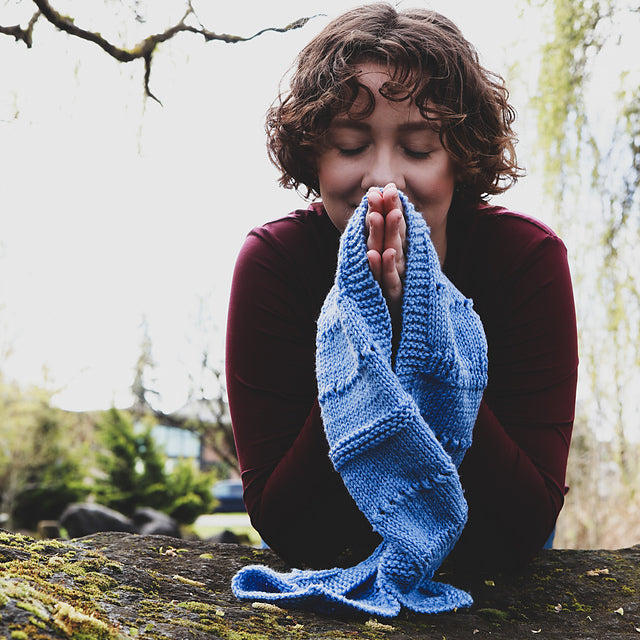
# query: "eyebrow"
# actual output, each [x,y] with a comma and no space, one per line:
[348,123]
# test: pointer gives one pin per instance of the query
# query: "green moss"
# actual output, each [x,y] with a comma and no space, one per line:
[35,608]
[37,623]
[97,582]
[131,589]
[196,607]
[497,615]
[44,546]
[79,625]
[69,607]
[12,539]
[150,612]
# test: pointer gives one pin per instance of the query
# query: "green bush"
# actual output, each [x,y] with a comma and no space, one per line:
[135,473]
[44,456]
[191,492]
[47,492]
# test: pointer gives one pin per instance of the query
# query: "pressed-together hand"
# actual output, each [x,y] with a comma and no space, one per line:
[386,244]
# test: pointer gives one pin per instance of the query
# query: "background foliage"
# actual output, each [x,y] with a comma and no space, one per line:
[44,456]
[588,115]
[135,473]
[50,458]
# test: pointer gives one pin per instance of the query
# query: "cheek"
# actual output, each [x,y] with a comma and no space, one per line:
[333,178]
[439,184]
[337,174]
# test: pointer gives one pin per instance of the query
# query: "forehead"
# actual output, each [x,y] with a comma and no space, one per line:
[404,126]
[373,72]
[372,106]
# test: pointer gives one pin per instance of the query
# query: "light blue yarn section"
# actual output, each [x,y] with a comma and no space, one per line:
[396,433]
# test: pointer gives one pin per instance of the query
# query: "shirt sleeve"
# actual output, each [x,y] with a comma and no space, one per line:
[514,472]
[295,498]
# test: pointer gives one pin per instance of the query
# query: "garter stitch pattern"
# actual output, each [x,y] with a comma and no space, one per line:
[396,433]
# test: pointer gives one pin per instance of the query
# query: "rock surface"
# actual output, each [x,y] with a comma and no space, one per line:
[114,586]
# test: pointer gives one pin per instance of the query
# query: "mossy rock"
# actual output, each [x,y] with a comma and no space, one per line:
[115,586]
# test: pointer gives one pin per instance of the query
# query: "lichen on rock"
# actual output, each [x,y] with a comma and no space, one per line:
[117,586]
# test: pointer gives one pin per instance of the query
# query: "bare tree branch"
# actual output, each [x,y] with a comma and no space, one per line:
[143,50]
[26,35]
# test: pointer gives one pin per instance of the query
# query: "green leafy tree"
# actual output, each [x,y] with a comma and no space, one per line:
[45,456]
[132,463]
[588,112]
[190,492]
[135,475]
[590,141]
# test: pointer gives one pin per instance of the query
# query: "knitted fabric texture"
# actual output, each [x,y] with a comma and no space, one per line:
[396,433]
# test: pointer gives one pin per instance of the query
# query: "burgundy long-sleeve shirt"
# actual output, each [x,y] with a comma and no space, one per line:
[515,270]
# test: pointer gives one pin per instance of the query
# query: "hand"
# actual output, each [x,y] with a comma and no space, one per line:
[386,244]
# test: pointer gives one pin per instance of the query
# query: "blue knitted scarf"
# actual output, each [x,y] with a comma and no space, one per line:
[396,433]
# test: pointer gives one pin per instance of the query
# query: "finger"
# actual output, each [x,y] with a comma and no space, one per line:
[375,226]
[391,198]
[375,264]
[394,238]
[375,200]
[393,224]
[391,281]
[392,202]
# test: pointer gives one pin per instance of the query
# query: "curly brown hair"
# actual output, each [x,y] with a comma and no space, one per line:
[430,62]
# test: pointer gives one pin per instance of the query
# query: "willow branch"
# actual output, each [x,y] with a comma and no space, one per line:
[143,50]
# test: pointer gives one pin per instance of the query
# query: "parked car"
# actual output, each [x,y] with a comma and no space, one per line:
[228,493]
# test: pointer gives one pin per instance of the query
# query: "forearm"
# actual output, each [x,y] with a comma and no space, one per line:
[301,507]
[513,501]
[514,472]
[296,500]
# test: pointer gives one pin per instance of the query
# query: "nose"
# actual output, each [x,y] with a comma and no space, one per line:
[383,167]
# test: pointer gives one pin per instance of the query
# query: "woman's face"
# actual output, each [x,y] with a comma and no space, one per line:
[392,144]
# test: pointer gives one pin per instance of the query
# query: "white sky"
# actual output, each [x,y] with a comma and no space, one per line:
[114,208]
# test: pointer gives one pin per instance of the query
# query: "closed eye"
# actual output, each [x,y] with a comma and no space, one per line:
[352,151]
[417,155]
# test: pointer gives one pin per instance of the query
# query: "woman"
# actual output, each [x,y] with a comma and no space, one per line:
[383,102]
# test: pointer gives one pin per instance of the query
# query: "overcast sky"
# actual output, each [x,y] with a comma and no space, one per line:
[114,208]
